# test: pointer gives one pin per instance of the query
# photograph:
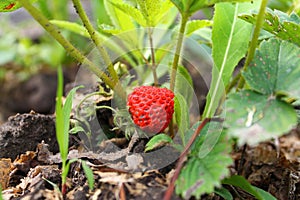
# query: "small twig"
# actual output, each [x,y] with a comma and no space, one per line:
[182,158]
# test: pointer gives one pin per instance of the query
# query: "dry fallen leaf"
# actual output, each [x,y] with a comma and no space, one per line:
[5,168]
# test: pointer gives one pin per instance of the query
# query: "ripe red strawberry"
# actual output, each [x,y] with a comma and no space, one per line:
[151,108]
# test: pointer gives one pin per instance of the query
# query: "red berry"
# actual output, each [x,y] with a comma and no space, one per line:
[151,108]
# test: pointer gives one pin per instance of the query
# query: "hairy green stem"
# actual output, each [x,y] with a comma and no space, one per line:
[184,20]
[253,44]
[153,65]
[70,49]
[96,39]
[234,81]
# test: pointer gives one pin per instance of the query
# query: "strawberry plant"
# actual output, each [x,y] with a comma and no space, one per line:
[141,44]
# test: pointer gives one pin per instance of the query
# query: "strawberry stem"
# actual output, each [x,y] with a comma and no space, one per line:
[153,64]
[184,20]
[96,39]
[70,49]
[253,44]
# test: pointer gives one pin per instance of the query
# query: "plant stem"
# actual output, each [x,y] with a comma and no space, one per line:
[233,82]
[55,33]
[182,159]
[96,39]
[184,20]
[253,44]
[153,66]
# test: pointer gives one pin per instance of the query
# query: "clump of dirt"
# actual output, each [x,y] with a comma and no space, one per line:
[23,132]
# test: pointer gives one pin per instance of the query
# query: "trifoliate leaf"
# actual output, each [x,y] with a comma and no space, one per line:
[202,174]
[275,69]
[253,117]
[286,27]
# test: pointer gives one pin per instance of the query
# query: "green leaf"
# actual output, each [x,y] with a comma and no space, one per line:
[191,6]
[133,12]
[66,168]
[181,115]
[197,5]
[230,37]
[55,186]
[76,129]
[224,193]
[71,26]
[120,19]
[109,29]
[241,182]
[283,26]
[265,195]
[253,117]
[195,25]
[1,198]
[202,174]
[158,140]
[153,10]
[89,174]
[63,116]
[67,108]
[100,13]
[179,5]
[59,123]
[11,5]
[275,69]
